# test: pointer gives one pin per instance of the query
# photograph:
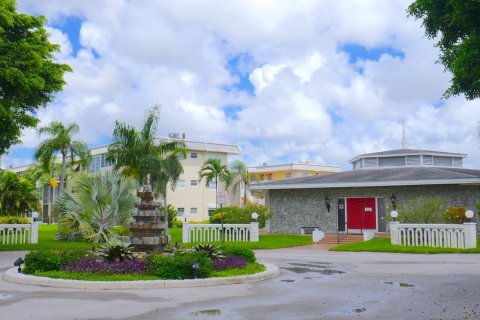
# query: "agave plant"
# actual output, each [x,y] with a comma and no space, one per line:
[115,250]
[210,250]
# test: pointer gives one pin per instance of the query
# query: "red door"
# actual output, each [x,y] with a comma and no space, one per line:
[361,213]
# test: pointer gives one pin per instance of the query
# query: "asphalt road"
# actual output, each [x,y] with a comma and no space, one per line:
[313,284]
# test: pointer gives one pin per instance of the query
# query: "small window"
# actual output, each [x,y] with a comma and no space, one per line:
[194,183]
[457,162]
[427,160]
[181,184]
[212,185]
[262,177]
[193,210]
[211,211]
[270,177]
[181,156]
[181,211]
[193,155]
[288,175]
[214,156]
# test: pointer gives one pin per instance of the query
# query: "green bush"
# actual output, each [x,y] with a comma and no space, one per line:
[423,210]
[234,214]
[179,265]
[14,220]
[176,224]
[50,260]
[238,251]
[172,214]
[456,215]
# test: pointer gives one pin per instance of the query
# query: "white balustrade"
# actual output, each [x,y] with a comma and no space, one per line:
[213,232]
[463,236]
[18,233]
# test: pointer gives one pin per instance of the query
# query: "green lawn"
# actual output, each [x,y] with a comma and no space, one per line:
[47,241]
[267,241]
[384,245]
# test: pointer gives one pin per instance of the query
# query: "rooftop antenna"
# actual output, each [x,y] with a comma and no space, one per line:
[404,136]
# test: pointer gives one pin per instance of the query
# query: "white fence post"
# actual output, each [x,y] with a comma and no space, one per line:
[470,235]
[185,232]
[254,232]
[394,232]
[34,233]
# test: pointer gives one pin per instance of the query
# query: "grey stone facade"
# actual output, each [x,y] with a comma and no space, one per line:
[296,208]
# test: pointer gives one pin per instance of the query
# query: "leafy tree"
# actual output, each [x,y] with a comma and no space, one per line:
[214,170]
[423,210]
[18,196]
[100,202]
[61,141]
[457,23]
[29,76]
[240,176]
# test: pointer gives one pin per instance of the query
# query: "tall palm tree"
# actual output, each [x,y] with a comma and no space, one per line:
[61,140]
[240,176]
[214,170]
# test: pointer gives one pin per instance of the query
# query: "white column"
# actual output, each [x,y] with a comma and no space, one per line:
[470,235]
[34,232]
[254,232]
[394,233]
[185,232]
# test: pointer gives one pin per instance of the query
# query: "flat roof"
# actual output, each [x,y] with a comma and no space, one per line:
[402,176]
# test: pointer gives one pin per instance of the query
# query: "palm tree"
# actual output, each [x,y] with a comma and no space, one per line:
[240,176]
[18,196]
[61,141]
[100,202]
[214,170]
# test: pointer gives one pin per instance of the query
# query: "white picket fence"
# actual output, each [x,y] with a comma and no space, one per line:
[19,233]
[213,232]
[462,236]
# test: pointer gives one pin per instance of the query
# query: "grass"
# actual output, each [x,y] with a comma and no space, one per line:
[250,268]
[384,245]
[46,240]
[267,241]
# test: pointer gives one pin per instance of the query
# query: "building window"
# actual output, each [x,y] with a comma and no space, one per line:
[442,161]
[262,177]
[98,162]
[181,211]
[288,175]
[214,156]
[370,162]
[306,174]
[211,211]
[194,183]
[212,185]
[181,184]
[457,162]
[181,156]
[193,210]
[413,160]
[270,177]
[427,160]
[390,162]
[193,155]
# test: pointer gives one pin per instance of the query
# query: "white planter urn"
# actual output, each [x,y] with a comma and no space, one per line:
[317,235]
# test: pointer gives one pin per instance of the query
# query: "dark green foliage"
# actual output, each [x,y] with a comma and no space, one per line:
[234,214]
[29,76]
[238,251]
[209,249]
[423,210]
[114,250]
[179,266]
[457,24]
[172,214]
[50,260]
[17,195]
[14,220]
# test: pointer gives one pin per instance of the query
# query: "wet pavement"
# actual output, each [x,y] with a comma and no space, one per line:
[313,284]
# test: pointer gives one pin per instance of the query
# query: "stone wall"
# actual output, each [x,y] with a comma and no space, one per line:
[296,208]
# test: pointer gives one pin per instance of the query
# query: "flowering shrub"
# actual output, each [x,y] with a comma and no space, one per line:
[104,267]
[229,262]
[456,215]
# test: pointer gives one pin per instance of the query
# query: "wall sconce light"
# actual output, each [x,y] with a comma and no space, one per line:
[393,200]
[327,203]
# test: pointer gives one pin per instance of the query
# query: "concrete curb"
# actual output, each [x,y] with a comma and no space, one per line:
[12,275]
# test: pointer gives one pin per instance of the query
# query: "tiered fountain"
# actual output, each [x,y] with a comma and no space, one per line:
[149,229]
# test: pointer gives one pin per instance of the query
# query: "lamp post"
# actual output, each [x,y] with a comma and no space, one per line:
[469,214]
[394,215]
[255,216]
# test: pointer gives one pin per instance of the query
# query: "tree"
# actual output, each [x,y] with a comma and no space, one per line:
[100,202]
[29,76]
[240,176]
[61,141]
[18,196]
[214,170]
[458,25]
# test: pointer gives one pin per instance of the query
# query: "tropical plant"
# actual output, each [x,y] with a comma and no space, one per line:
[423,210]
[18,196]
[214,170]
[209,249]
[62,141]
[115,250]
[100,202]
[172,214]
[140,155]
[240,176]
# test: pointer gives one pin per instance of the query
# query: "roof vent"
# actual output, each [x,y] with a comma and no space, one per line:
[176,135]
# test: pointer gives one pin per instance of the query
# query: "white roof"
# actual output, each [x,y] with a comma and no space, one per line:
[294,167]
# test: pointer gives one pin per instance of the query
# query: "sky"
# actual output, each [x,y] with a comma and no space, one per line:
[287,81]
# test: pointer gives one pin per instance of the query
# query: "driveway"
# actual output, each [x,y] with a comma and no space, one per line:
[313,284]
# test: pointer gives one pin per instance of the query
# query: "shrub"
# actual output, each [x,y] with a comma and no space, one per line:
[456,215]
[176,224]
[234,214]
[172,214]
[209,249]
[237,251]
[51,260]
[90,265]
[179,266]
[14,220]
[115,250]
[229,262]
[423,210]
